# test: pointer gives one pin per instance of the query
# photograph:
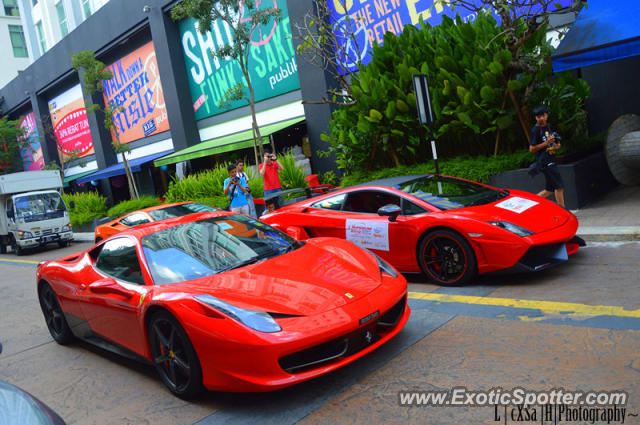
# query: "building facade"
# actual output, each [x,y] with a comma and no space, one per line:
[46,22]
[13,45]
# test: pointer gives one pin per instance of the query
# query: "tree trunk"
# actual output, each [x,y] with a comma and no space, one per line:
[504,103]
[394,155]
[257,139]
[373,151]
[133,190]
[523,121]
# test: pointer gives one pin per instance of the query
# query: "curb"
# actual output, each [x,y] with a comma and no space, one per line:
[610,234]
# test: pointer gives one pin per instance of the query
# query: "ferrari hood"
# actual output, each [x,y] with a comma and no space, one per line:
[533,213]
[322,275]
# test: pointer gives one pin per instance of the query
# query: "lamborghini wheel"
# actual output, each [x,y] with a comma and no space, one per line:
[53,315]
[447,258]
[174,357]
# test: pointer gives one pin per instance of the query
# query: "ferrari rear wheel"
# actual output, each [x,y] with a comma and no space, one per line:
[174,357]
[54,316]
[447,258]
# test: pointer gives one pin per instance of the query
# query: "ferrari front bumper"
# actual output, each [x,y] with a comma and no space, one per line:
[307,346]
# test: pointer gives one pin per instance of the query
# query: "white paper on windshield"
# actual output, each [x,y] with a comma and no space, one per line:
[368,233]
[516,204]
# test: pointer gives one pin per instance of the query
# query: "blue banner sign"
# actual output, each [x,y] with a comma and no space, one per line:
[376,17]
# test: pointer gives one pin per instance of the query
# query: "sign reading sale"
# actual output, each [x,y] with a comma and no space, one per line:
[137,90]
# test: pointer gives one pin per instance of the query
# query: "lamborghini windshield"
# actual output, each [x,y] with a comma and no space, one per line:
[447,193]
[210,246]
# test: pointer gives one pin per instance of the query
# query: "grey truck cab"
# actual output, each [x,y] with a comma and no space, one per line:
[32,212]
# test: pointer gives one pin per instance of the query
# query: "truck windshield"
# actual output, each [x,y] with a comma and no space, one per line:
[42,206]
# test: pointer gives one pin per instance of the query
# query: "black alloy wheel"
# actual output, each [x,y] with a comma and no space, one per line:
[447,258]
[174,357]
[54,316]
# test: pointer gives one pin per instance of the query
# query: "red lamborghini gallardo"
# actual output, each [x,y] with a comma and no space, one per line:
[450,229]
[224,301]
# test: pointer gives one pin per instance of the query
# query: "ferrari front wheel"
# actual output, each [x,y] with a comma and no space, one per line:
[174,357]
[54,316]
[447,258]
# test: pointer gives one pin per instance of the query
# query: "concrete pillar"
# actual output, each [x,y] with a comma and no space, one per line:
[45,129]
[314,83]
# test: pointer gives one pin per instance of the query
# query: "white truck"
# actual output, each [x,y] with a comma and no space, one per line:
[32,212]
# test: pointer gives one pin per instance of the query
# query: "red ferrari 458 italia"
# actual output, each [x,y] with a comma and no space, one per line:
[224,301]
[450,229]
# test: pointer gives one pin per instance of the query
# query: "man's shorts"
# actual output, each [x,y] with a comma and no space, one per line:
[552,178]
[241,210]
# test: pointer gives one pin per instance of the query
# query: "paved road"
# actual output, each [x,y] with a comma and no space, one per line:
[576,327]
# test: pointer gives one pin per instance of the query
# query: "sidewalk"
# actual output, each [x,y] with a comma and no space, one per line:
[615,217]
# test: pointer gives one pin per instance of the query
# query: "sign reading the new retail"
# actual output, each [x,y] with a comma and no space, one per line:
[30,149]
[272,65]
[70,124]
[136,87]
[374,18]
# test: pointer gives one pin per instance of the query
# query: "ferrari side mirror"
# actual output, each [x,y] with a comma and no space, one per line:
[390,210]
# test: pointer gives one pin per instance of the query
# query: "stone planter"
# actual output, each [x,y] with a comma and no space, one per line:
[584,180]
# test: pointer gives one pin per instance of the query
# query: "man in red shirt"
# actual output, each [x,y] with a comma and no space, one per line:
[269,170]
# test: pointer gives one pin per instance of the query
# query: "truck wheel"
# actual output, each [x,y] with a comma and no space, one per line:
[15,247]
[63,244]
[3,248]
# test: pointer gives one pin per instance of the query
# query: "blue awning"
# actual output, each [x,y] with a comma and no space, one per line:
[603,32]
[118,169]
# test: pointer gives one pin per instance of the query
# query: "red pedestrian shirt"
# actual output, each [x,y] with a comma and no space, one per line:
[271,178]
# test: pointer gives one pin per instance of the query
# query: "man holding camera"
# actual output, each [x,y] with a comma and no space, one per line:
[269,170]
[545,142]
[237,189]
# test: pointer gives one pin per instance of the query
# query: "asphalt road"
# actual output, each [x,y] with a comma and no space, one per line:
[575,327]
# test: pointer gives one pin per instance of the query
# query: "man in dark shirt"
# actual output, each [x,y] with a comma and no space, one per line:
[544,142]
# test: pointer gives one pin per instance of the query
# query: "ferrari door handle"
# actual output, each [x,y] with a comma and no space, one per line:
[110,286]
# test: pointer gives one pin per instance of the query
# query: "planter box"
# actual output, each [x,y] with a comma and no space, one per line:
[584,180]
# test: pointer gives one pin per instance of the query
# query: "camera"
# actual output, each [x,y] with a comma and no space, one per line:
[272,157]
[234,179]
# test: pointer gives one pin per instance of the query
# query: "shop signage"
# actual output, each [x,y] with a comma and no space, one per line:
[272,65]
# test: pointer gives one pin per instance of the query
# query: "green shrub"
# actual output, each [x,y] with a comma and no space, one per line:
[125,207]
[471,168]
[291,176]
[329,178]
[208,184]
[87,205]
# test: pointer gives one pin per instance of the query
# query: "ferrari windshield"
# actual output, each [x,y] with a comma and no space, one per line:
[447,193]
[210,246]
[179,210]
[39,206]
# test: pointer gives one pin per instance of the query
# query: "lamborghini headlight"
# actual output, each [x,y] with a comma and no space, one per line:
[258,320]
[513,228]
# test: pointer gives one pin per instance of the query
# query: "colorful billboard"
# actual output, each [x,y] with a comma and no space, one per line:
[30,149]
[136,87]
[272,64]
[377,17]
[70,124]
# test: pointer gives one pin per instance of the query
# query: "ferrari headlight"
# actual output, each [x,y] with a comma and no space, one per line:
[513,228]
[258,320]
[25,235]
[66,228]
[384,266]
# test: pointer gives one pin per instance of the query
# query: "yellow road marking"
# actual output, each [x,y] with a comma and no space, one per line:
[547,307]
[19,261]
